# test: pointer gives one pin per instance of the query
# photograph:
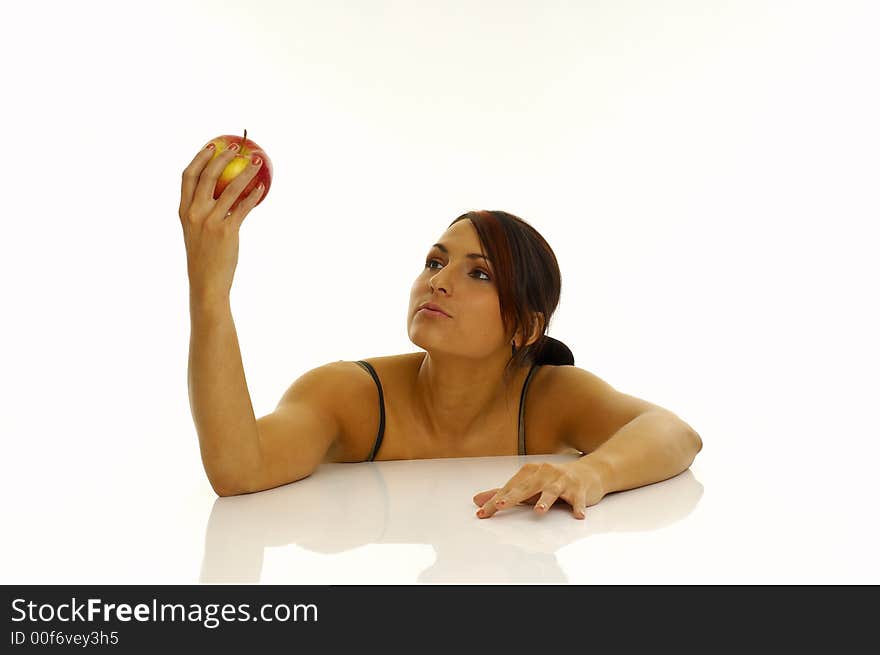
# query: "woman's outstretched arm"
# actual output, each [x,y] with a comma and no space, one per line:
[654,446]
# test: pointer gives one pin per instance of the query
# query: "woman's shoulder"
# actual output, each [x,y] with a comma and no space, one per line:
[384,362]
[393,360]
[359,409]
[386,367]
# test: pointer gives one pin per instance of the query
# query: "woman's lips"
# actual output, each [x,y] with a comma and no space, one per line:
[431,312]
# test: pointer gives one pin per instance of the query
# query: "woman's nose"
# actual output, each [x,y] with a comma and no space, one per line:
[437,283]
[434,284]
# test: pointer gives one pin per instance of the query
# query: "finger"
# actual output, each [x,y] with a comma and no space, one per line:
[233,192]
[481,498]
[576,497]
[534,481]
[579,506]
[245,206]
[490,506]
[520,492]
[526,472]
[191,178]
[510,495]
[546,501]
[204,194]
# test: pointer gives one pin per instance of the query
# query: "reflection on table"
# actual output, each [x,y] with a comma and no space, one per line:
[345,506]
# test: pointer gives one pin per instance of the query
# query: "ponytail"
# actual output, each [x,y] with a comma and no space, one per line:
[553,352]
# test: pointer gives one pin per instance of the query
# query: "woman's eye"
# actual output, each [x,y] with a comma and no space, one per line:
[477,271]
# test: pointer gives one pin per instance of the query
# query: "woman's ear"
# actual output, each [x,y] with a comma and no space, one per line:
[537,330]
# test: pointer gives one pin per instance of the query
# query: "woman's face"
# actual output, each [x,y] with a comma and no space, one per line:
[464,287]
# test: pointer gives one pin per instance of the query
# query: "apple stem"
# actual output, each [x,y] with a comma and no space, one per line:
[244,139]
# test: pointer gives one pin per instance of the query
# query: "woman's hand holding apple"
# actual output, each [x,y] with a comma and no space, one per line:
[210,229]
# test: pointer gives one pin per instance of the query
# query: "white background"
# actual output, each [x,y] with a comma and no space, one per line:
[706,173]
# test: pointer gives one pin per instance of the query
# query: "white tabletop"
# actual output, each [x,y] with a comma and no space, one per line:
[413,522]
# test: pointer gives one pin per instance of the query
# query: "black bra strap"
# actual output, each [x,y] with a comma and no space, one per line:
[369,368]
[522,410]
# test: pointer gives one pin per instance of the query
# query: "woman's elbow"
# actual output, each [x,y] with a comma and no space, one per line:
[698,443]
[695,446]
[224,488]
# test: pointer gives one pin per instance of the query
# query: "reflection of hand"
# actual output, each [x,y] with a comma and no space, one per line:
[578,485]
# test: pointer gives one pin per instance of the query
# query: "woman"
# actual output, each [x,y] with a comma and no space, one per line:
[489,382]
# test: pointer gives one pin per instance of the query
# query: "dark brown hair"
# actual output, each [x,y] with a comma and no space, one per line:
[528,280]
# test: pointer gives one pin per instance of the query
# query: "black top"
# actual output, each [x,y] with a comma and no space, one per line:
[522,410]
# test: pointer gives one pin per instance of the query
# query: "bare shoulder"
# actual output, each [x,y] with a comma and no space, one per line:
[591,410]
[578,386]
[547,402]
[355,400]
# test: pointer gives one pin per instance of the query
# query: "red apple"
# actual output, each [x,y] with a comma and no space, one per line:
[247,149]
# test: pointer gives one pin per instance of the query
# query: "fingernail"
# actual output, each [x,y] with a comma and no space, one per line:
[481,513]
[542,506]
[234,146]
[500,503]
[256,160]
